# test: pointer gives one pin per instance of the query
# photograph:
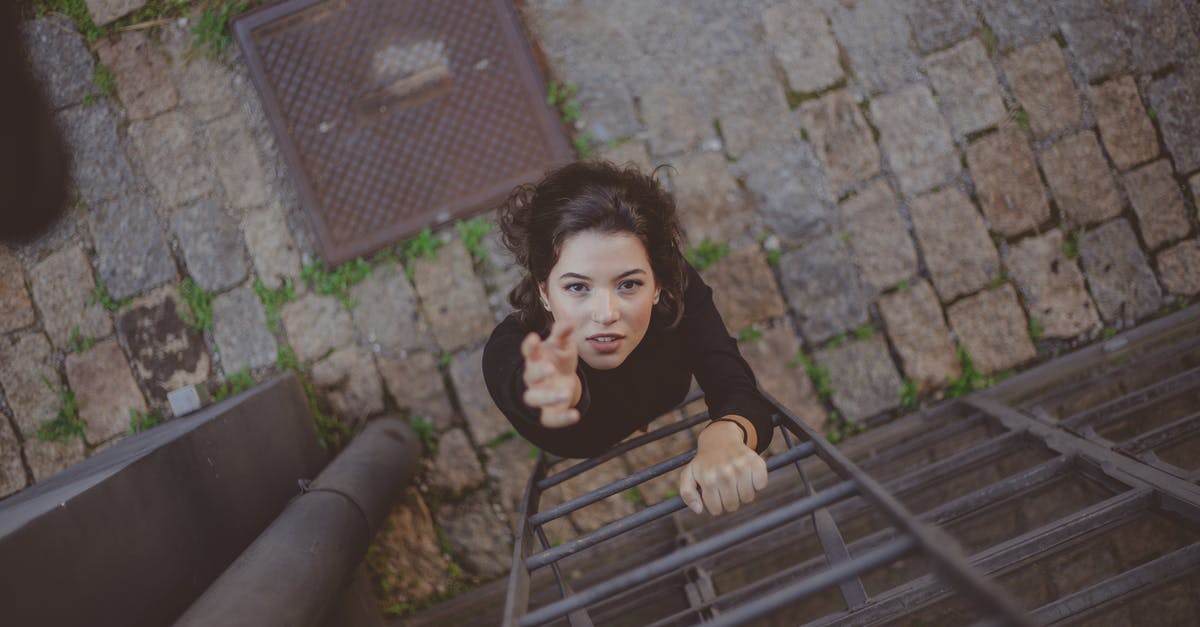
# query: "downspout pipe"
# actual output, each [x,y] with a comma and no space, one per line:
[294,572]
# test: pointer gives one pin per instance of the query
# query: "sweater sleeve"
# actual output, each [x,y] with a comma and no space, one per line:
[503,374]
[727,380]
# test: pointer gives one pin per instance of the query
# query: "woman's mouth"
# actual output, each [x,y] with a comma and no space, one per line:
[605,342]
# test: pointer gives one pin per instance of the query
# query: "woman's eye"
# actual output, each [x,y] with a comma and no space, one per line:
[629,286]
[575,288]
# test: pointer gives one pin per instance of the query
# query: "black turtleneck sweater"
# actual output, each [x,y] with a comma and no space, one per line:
[650,382]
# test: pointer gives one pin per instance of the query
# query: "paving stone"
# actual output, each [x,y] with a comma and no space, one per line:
[1098,45]
[167,354]
[455,466]
[1174,101]
[960,256]
[452,297]
[1127,132]
[212,247]
[789,188]
[509,465]
[240,331]
[478,538]
[60,59]
[129,265]
[939,23]
[607,106]
[47,459]
[501,273]
[1043,87]
[172,157]
[413,567]
[604,511]
[105,390]
[917,328]
[26,366]
[744,289]
[16,310]
[1007,182]
[1018,22]
[1158,202]
[62,287]
[823,288]
[772,359]
[749,104]
[863,378]
[920,159]
[1119,278]
[105,11]
[1179,267]
[875,37]
[316,325]
[710,204]
[272,248]
[387,312]
[139,69]
[415,384]
[992,329]
[663,486]
[99,168]
[841,138]
[483,417]
[1080,180]
[966,86]
[803,45]
[1159,33]
[879,241]
[204,84]
[1052,285]
[12,470]
[350,382]
[628,153]
[237,162]
[676,119]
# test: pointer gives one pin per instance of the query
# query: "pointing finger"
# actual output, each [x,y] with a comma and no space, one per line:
[529,345]
[561,334]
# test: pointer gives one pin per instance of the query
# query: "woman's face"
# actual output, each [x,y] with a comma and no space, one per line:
[604,285]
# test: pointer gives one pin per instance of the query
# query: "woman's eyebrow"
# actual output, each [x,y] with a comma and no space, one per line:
[576,275]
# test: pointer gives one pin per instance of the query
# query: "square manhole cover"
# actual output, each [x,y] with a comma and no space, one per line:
[398,114]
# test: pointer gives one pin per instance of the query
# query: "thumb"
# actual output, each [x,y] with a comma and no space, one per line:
[689,490]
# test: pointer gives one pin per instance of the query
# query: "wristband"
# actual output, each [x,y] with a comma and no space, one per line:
[745,435]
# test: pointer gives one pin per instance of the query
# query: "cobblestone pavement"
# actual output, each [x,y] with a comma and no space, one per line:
[887,189]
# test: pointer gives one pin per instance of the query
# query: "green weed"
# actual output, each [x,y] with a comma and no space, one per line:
[445,359]
[139,421]
[100,296]
[66,423]
[1035,328]
[1070,246]
[633,495]
[472,233]
[502,438]
[818,374]
[210,32]
[421,246]
[904,286]
[990,41]
[750,334]
[238,382]
[773,257]
[1110,332]
[841,428]
[331,433]
[1022,119]
[865,331]
[967,382]
[336,282]
[837,341]
[273,299]
[585,145]
[286,361]
[908,394]
[102,77]
[197,312]
[79,343]
[670,494]
[996,281]
[424,430]
[706,254]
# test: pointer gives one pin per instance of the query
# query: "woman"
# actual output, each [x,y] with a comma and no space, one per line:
[611,324]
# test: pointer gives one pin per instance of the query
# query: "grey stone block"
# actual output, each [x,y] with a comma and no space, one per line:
[212,246]
[98,164]
[1043,87]
[1052,285]
[917,328]
[876,37]
[803,45]
[841,137]
[966,86]
[960,256]
[1178,109]
[1158,202]
[172,157]
[823,288]
[30,381]
[388,314]
[1018,22]
[915,138]
[1080,180]
[62,288]
[130,265]
[879,241]
[864,380]
[1118,276]
[939,23]
[1098,45]
[790,190]
[240,331]
[1007,182]
[105,389]
[1124,126]
[992,329]
[60,59]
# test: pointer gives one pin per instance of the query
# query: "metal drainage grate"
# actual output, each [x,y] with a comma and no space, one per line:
[1072,487]
[396,115]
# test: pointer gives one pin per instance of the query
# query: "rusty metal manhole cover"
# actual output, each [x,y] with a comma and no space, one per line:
[399,114]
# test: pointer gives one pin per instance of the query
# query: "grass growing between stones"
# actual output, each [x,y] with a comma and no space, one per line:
[1035,328]
[80,343]
[197,302]
[818,374]
[1110,332]
[100,296]
[210,32]
[634,496]
[908,395]
[841,428]
[140,421]
[706,254]
[773,257]
[331,433]
[865,331]
[273,299]
[1070,245]
[336,282]
[237,382]
[67,423]
[472,233]
[103,79]
[502,438]
[423,245]
[750,334]
[424,430]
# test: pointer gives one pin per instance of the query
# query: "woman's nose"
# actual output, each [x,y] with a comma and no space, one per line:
[604,310]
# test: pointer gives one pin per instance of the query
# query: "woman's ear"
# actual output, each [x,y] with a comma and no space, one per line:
[543,296]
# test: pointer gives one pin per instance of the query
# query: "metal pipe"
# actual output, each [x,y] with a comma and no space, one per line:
[639,518]
[689,554]
[292,573]
[619,485]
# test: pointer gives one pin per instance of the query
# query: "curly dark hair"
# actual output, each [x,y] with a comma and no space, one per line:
[592,196]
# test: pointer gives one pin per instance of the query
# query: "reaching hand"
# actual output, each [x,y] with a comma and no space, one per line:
[725,472]
[550,375]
